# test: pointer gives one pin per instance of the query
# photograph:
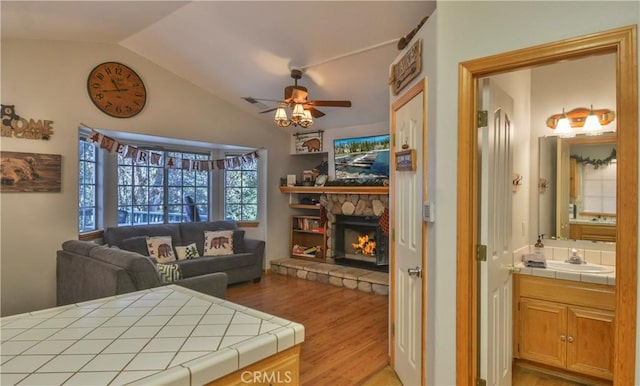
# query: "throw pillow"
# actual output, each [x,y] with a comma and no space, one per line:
[187,252]
[136,244]
[219,243]
[161,249]
[169,273]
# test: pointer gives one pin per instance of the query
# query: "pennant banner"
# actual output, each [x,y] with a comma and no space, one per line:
[143,156]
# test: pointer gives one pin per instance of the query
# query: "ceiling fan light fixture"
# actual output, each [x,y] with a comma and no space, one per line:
[281,117]
[298,111]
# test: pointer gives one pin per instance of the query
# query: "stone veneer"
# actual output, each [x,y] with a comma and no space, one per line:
[350,277]
[350,205]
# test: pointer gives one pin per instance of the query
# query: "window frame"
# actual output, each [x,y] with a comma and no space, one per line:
[225,188]
[82,182]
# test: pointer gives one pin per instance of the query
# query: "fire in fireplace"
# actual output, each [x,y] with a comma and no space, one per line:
[360,242]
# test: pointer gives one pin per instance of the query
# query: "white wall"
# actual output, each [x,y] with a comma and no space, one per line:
[47,80]
[470,30]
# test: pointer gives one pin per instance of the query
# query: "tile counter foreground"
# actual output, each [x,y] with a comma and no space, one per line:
[165,335]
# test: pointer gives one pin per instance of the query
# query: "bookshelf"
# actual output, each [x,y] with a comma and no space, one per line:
[308,238]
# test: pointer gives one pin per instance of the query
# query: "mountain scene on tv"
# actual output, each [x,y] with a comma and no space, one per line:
[362,158]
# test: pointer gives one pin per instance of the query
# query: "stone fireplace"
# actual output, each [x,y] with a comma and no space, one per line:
[355,236]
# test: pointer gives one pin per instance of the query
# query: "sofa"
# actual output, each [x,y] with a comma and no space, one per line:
[87,270]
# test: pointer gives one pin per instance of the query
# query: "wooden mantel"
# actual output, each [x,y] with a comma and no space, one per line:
[336,189]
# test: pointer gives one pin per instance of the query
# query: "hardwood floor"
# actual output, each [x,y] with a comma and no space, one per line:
[346,331]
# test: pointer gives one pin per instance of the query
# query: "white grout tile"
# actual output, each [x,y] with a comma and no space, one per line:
[163,311]
[124,345]
[57,323]
[285,337]
[150,361]
[106,333]
[216,319]
[36,334]
[134,311]
[299,331]
[184,320]
[153,320]
[91,379]
[243,329]
[592,256]
[48,347]
[17,347]
[256,349]
[89,322]
[12,379]
[141,332]
[127,377]
[575,276]
[109,312]
[560,253]
[611,279]
[121,321]
[209,343]
[594,278]
[213,366]
[65,363]
[176,331]
[609,258]
[49,379]
[231,340]
[71,333]
[9,333]
[109,362]
[193,310]
[543,272]
[210,330]
[93,346]
[25,364]
[75,312]
[164,344]
[187,356]
[268,326]
[171,377]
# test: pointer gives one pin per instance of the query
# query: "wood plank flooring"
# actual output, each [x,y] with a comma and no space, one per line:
[346,331]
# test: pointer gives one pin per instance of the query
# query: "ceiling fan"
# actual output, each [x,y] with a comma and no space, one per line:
[302,110]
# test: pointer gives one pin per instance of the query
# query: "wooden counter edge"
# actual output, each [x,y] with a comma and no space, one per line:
[282,368]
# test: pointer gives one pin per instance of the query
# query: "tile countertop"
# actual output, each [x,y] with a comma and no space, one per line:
[597,278]
[163,336]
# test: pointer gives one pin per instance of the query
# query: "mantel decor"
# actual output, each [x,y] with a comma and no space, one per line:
[308,142]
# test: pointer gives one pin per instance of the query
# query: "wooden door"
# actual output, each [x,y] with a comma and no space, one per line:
[590,341]
[542,332]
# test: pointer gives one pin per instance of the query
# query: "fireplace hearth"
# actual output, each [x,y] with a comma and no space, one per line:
[360,242]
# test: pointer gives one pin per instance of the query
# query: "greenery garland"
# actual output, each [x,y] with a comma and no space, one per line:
[596,162]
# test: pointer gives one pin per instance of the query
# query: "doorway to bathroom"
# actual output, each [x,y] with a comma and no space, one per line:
[621,42]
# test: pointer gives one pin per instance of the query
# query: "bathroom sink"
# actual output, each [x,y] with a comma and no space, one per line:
[584,268]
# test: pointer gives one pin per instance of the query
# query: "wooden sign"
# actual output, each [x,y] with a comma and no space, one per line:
[406,160]
[30,172]
[407,68]
[308,142]
[15,126]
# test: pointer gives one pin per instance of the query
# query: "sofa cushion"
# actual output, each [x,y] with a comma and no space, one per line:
[136,244]
[169,273]
[187,251]
[161,248]
[141,269]
[79,247]
[116,235]
[193,232]
[208,264]
[218,243]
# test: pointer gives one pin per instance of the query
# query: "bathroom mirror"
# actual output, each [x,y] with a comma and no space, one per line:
[576,187]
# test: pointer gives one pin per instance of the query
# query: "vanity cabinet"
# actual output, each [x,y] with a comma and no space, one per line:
[565,324]
[593,232]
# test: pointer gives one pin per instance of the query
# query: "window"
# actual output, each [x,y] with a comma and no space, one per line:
[87,183]
[153,194]
[600,189]
[241,191]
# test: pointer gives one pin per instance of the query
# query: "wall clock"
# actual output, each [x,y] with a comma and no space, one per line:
[116,90]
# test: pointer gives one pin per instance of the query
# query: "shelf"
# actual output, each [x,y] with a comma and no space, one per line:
[319,231]
[303,206]
[336,189]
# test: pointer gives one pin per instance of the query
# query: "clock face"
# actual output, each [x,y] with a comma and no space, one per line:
[116,90]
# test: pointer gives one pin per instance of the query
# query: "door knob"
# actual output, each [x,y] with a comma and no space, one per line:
[570,339]
[417,272]
[563,338]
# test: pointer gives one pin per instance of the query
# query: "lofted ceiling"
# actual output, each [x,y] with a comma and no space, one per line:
[236,49]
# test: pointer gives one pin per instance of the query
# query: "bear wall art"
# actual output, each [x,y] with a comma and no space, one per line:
[30,172]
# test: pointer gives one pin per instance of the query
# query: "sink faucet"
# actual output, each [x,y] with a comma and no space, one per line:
[575,259]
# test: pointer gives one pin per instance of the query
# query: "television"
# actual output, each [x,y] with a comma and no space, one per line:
[361,157]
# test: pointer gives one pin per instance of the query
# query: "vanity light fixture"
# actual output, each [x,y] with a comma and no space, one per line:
[563,128]
[580,121]
[592,124]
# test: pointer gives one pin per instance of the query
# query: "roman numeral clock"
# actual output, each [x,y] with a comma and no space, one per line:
[116,90]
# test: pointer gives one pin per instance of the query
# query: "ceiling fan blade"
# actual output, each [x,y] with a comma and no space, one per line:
[269,110]
[249,99]
[329,103]
[315,112]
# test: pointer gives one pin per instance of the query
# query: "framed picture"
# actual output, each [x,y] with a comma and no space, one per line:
[406,160]
[362,157]
[30,172]
[308,142]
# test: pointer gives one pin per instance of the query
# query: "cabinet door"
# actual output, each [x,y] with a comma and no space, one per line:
[590,341]
[542,332]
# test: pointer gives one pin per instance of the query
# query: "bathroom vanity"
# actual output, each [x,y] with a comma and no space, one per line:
[566,324]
